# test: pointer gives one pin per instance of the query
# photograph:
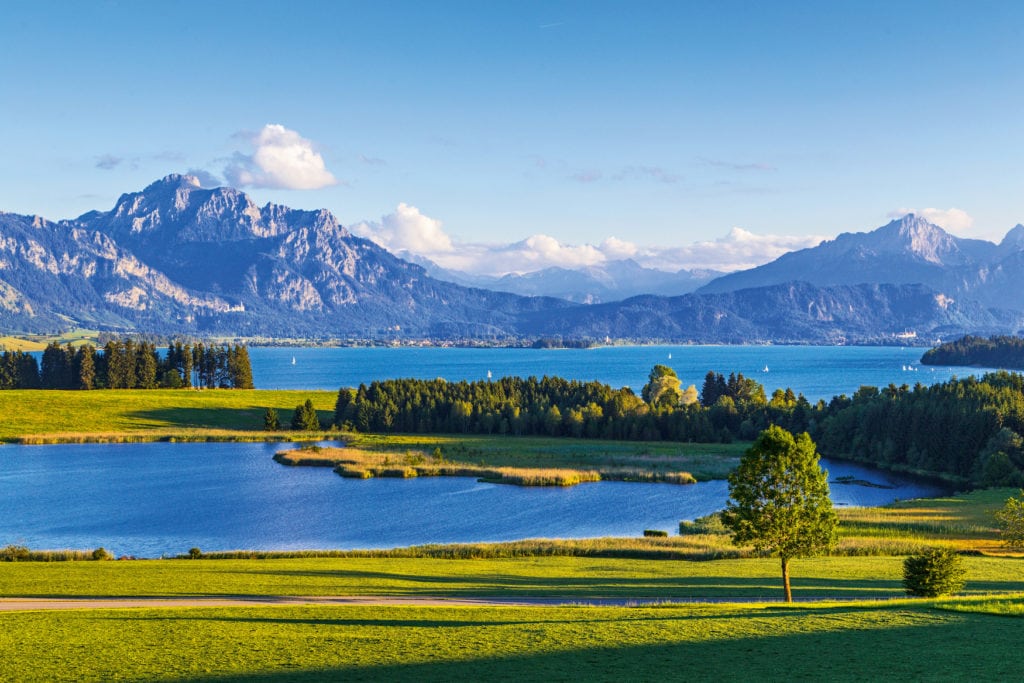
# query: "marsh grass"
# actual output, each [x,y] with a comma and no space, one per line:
[703,461]
[964,522]
[496,467]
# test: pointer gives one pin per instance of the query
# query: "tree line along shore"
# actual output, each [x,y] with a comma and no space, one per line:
[128,364]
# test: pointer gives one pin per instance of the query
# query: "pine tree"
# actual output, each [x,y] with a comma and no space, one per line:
[305,417]
[239,368]
[145,366]
[85,364]
[186,365]
[271,422]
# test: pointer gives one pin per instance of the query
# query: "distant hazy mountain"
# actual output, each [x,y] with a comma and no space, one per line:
[795,312]
[611,281]
[906,251]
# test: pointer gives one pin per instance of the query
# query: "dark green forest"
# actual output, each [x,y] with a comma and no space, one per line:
[993,352]
[968,430]
[128,364]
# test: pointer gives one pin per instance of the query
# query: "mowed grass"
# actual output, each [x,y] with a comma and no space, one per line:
[152,413]
[902,640]
[563,577]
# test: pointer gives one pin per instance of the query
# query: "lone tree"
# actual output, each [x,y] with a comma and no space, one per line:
[779,502]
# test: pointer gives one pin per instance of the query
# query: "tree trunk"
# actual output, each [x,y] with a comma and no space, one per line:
[785,579]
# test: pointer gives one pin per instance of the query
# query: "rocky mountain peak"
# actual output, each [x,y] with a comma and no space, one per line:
[1014,240]
[916,235]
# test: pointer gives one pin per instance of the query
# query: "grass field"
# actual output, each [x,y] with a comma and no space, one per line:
[573,577]
[32,415]
[903,640]
[38,342]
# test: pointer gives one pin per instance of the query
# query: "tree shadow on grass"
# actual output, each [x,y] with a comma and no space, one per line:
[679,587]
[932,647]
[204,418]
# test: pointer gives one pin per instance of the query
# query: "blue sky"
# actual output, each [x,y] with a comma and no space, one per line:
[454,128]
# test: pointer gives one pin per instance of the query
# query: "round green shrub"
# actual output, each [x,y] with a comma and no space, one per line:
[933,572]
[100,554]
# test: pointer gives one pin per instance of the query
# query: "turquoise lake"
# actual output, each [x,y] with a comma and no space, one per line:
[816,371]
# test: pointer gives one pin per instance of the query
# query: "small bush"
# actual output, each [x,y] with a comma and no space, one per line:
[933,572]
[14,553]
[101,554]
[708,524]
[655,533]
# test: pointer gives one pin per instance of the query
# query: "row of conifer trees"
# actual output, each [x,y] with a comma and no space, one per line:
[128,364]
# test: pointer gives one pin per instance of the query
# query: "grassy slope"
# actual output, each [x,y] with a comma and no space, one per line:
[38,342]
[156,411]
[867,641]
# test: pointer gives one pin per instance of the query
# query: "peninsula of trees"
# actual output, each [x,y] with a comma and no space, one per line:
[993,352]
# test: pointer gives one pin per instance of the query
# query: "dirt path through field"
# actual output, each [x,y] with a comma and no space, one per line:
[23,604]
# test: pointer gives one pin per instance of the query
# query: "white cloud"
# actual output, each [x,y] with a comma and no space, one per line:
[408,231]
[614,248]
[738,250]
[282,159]
[953,220]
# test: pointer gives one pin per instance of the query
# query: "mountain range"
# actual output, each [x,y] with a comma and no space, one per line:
[610,281]
[176,258]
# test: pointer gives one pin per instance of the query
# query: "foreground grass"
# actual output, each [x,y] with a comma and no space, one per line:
[571,577]
[904,640]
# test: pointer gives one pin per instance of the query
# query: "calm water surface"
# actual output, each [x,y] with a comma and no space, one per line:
[153,499]
[819,372]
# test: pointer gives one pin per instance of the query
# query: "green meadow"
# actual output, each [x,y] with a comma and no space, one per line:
[119,414]
[875,577]
[965,639]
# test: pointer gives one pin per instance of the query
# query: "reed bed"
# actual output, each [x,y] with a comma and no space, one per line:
[641,548]
[186,436]
[20,553]
[357,463]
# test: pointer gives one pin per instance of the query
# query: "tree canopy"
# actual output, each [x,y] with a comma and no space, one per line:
[779,500]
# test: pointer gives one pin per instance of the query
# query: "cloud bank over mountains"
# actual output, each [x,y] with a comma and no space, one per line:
[407,230]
